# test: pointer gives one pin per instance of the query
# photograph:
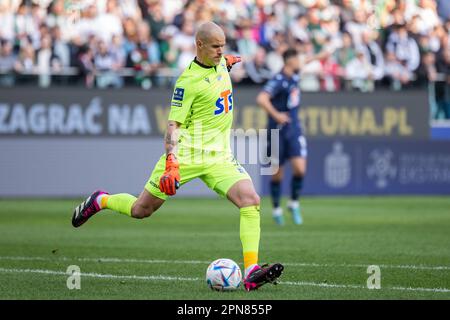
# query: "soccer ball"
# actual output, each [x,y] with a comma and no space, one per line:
[223,275]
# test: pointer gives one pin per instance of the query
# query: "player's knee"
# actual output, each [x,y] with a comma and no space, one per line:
[140,212]
[253,199]
[299,173]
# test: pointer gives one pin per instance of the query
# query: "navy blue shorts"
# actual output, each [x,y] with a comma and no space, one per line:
[291,143]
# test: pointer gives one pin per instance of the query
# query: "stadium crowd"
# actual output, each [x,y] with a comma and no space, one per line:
[364,43]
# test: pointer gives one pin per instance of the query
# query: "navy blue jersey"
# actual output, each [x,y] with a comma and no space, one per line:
[285,97]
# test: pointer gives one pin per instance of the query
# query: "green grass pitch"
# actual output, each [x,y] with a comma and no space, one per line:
[166,256]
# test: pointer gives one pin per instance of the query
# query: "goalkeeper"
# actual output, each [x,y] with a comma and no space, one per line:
[197,144]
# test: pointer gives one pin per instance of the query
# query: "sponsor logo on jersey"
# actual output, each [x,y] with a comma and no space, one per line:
[224,103]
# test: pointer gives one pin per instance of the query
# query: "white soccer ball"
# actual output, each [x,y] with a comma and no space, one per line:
[223,275]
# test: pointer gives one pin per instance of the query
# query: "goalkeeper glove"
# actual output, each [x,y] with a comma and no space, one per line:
[170,180]
[231,60]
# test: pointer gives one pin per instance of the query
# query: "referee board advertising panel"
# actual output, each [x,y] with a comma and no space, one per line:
[77,112]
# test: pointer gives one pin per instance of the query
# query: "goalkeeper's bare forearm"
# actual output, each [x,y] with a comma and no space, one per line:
[171,137]
[169,182]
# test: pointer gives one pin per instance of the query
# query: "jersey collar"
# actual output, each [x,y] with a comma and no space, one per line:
[203,65]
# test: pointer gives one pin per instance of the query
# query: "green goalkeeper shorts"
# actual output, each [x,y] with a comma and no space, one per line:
[219,173]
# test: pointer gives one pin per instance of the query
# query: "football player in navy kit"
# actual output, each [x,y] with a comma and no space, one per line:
[280,98]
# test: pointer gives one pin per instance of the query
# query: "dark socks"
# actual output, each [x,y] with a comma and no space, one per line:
[296,187]
[275,192]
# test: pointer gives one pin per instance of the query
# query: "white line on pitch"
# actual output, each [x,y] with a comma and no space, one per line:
[99,275]
[150,261]
[171,278]
[351,286]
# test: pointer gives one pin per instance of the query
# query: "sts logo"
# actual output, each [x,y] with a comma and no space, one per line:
[224,103]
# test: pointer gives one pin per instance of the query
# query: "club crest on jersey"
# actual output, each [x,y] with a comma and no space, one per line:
[224,103]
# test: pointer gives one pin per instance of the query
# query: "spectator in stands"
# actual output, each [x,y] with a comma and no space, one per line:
[6,22]
[439,38]
[279,39]
[310,70]
[395,18]
[357,27]
[257,69]
[130,9]
[117,50]
[396,71]
[414,28]
[24,23]
[331,74]
[443,76]
[145,57]
[333,36]
[130,35]
[27,60]
[167,48]
[372,53]
[316,29]
[86,26]
[106,68]
[270,27]
[346,12]
[274,58]
[436,79]
[247,45]
[346,53]
[7,64]
[56,15]
[188,12]
[85,64]
[60,47]
[155,18]
[427,12]
[427,71]
[109,23]
[204,12]
[184,43]
[46,62]
[360,74]
[404,47]
[299,28]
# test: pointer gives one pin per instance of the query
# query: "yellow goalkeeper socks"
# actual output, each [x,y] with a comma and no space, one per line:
[121,202]
[250,233]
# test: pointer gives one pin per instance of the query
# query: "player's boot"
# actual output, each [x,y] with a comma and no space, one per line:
[261,275]
[87,209]
[277,215]
[296,214]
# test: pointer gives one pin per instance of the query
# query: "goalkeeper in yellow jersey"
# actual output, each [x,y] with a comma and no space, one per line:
[197,145]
